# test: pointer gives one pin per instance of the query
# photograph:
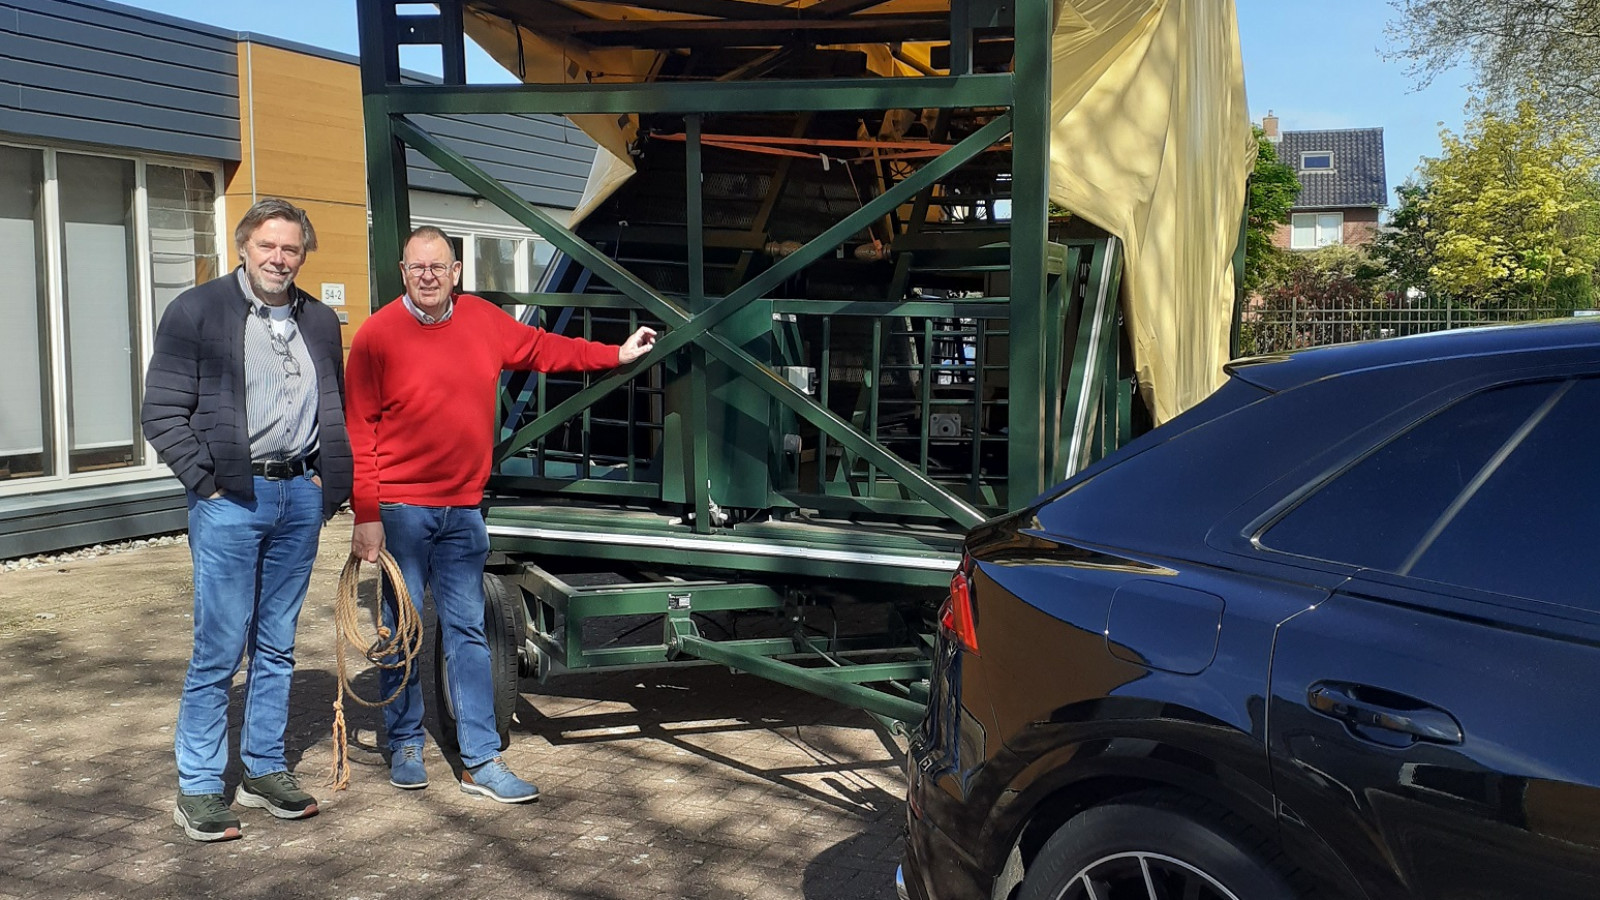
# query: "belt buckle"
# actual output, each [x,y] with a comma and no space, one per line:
[275,470]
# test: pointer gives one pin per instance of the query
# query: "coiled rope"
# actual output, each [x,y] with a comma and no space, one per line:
[405,643]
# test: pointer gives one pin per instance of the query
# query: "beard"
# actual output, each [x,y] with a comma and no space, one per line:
[266,282]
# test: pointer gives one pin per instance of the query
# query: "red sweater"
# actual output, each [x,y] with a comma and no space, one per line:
[420,400]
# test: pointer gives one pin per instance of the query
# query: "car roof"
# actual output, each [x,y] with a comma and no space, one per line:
[1281,372]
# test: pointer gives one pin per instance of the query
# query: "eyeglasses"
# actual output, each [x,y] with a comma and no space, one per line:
[280,344]
[437,270]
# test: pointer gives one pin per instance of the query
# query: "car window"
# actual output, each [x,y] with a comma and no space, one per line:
[1530,529]
[1375,512]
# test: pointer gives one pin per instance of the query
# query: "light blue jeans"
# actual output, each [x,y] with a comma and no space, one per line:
[252,563]
[443,548]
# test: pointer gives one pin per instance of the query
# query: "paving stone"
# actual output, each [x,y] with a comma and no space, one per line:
[670,783]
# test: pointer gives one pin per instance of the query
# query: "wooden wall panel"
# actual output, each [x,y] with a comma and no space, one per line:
[302,127]
[302,135]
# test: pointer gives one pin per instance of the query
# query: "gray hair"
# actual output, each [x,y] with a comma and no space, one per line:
[429,233]
[268,208]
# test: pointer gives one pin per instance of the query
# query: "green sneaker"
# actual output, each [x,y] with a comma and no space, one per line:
[206,817]
[277,793]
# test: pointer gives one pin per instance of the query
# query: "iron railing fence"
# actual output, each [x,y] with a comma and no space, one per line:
[1265,330]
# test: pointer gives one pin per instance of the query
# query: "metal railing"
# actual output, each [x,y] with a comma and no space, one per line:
[1276,329]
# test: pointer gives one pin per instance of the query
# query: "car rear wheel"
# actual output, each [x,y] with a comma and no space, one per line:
[1154,847]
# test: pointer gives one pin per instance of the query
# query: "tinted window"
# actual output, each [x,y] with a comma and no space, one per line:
[1531,528]
[1378,510]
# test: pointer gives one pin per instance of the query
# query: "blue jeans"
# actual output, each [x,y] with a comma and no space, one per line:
[443,548]
[252,563]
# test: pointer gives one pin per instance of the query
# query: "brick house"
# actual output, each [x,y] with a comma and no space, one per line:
[1342,185]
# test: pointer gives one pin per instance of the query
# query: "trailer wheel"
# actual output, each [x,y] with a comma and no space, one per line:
[504,627]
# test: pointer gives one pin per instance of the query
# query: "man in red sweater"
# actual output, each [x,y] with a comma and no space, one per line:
[421,388]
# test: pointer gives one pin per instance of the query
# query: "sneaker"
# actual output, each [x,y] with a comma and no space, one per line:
[206,817]
[406,771]
[495,781]
[277,793]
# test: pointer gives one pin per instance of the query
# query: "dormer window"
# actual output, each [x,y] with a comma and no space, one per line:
[1316,161]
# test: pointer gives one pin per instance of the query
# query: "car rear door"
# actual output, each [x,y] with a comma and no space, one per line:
[1445,747]
[1437,721]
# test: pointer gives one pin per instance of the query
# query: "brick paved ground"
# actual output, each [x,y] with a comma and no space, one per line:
[668,783]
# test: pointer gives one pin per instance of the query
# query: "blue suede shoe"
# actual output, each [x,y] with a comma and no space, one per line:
[406,771]
[495,781]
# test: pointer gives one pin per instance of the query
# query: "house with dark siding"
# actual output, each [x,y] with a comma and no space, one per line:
[130,144]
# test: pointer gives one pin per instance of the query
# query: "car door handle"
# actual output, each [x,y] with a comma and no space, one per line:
[1366,708]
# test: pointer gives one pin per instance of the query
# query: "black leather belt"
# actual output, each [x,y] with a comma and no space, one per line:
[279,469]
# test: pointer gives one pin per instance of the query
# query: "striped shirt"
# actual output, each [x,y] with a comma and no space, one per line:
[425,318]
[280,381]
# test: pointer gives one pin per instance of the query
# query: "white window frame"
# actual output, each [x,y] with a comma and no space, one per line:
[1322,233]
[144,338]
[1308,154]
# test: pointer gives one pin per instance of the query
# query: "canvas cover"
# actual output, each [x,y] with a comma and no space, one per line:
[1151,141]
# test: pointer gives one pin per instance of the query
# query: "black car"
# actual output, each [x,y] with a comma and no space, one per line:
[1335,632]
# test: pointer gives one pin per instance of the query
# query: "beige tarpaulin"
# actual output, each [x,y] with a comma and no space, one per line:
[1151,141]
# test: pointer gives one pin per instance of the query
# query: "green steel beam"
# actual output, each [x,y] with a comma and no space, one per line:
[1028,390]
[379,42]
[387,197]
[867,673]
[1056,320]
[816,681]
[638,490]
[731,558]
[697,437]
[574,659]
[685,328]
[1097,339]
[654,600]
[559,301]
[994,90]
[538,221]
[452,42]
[989,308]
[689,329]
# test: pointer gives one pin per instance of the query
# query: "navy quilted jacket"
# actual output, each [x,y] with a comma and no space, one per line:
[194,392]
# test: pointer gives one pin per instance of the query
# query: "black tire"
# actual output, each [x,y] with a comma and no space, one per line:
[1191,848]
[504,628]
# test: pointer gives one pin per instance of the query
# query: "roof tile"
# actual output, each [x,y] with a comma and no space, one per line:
[1357,177]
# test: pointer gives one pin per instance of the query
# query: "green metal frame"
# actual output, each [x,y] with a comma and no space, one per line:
[1064,410]
[560,611]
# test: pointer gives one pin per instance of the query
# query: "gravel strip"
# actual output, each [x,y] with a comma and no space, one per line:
[53,559]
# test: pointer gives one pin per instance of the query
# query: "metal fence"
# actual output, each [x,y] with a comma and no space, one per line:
[1265,329]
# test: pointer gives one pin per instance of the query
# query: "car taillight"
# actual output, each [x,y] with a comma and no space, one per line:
[956,616]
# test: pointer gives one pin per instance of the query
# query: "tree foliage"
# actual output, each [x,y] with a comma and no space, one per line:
[1273,188]
[1547,50]
[1405,250]
[1326,296]
[1509,212]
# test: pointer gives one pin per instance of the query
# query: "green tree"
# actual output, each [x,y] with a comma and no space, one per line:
[1273,188]
[1405,251]
[1511,211]
[1547,51]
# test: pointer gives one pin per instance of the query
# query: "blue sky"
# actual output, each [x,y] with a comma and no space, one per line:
[1314,64]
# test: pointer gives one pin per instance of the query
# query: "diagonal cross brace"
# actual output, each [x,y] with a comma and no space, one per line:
[687,329]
